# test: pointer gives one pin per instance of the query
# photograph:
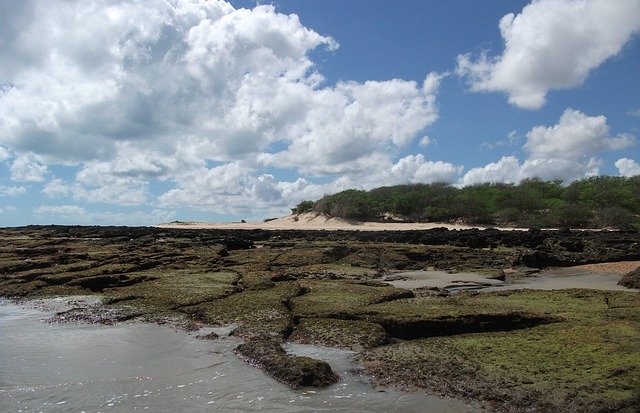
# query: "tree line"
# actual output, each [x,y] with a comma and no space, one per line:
[597,202]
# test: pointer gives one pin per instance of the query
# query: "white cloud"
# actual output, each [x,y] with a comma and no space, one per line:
[506,170]
[432,82]
[61,210]
[74,214]
[552,44]
[117,182]
[130,92]
[415,169]
[627,167]
[566,151]
[111,190]
[425,141]
[4,153]
[574,137]
[27,168]
[511,139]
[346,126]
[56,188]
[12,191]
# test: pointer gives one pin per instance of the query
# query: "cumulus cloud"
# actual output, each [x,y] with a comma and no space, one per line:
[566,151]
[551,44]
[12,191]
[4,154]
[27,168]
[347,126]
[425,141]
[415,169]
[506,170]
[132,92]
[107,189]
[627,167]
[236,188]
[574,137]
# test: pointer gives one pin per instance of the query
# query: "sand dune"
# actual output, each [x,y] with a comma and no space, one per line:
[316,221]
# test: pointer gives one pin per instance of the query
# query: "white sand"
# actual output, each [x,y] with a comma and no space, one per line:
[316,221]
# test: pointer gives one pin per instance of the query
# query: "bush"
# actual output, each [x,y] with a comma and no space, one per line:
[302,207]
[591,203]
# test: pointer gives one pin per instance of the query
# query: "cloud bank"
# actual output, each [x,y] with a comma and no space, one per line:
[160,105]
[566,151]
[195,93]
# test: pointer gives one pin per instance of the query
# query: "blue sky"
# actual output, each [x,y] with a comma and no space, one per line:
[113,112]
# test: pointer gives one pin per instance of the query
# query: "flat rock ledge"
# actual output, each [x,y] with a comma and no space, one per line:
[296,371]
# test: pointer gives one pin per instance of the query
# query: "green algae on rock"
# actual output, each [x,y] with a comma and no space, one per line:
[587,361]
[296,371]
[332,332]
[514,350]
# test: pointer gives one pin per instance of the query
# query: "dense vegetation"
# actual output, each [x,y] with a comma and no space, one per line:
[598,202]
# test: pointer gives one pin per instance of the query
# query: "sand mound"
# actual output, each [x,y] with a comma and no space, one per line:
[316,221]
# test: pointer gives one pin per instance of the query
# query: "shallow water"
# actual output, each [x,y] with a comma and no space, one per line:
[137,367]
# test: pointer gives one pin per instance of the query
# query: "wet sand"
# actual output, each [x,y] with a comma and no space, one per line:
[603,276]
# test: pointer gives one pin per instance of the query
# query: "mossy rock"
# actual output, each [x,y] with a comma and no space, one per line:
[175,289]
[296,371]
[589,361]
[631,279]
[339,298]
[259,312]
[332,332]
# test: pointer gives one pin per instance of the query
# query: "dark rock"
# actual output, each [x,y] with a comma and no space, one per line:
[100,282]
[211,336]
[447,326]
[296,371]
[631,279]
[538,259]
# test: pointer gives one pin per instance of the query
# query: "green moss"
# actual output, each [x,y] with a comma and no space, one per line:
[339,297]
[337,270]
[589,362]
[173,289]
[296,371]
[339,333]
[259,312]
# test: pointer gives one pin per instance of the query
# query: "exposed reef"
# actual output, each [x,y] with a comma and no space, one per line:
[511,350]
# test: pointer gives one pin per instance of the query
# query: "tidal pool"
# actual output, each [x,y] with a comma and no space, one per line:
[128,367]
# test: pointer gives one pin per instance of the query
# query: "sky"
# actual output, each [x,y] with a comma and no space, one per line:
[121,112]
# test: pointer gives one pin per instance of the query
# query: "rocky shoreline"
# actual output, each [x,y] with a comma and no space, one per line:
[326,287]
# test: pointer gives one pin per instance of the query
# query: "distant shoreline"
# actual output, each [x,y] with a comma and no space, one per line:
[317,221]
